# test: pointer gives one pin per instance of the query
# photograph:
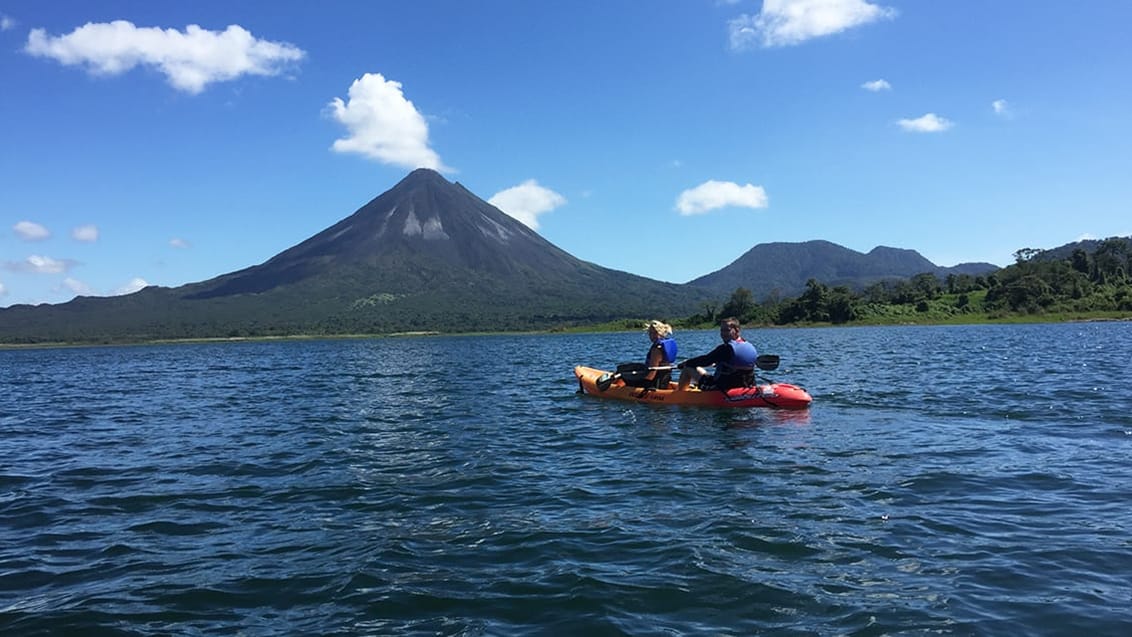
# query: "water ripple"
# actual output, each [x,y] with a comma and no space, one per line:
[963,480]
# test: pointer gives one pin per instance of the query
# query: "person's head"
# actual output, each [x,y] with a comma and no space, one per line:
[658,330]
[729,329]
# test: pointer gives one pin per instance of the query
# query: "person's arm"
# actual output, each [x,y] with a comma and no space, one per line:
[655,359]
[718,355]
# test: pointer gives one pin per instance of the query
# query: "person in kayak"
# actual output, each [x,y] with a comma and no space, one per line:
[734,362]
[662,353]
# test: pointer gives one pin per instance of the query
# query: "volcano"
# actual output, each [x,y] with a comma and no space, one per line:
[427,254]
[422,229]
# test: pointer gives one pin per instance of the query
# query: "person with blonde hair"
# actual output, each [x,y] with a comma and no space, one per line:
[661,353]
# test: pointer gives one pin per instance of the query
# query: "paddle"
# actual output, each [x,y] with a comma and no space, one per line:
[629,370]
[767,362]
[634,371]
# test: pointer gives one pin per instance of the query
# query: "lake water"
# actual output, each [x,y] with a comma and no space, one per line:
[966,480]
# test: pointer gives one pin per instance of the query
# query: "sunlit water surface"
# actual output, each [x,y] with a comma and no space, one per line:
[947,480]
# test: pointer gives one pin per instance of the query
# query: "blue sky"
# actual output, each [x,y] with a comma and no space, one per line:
[166,143]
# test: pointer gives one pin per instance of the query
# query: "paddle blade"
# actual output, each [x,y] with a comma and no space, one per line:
[635,376]
[603,382]
[767,362]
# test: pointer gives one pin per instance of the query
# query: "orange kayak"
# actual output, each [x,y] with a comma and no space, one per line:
[780,395]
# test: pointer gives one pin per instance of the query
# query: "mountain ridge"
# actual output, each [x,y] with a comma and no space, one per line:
[782,268]
[429,254]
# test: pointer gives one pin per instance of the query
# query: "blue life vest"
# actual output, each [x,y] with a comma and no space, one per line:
[743,356]
[668,346]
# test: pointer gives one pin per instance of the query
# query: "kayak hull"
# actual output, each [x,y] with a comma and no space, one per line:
[776,395]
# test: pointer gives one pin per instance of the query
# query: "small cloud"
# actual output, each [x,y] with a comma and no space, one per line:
[876,86]
[3,290]
[1001,108]
[7,23]
[930,123]
[711,195]
[1085,237]
[135,284]
[40,265]
[86,234]
[526,202]
[381,124]
[31,231]
[190,59]
[179,243]
[790,22]
[78,287]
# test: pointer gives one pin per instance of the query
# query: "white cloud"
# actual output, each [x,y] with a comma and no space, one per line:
[178,242]
[877,86]
[930,123]
[712,194]
[78,287]
[3,290]
[31,231]
[790,22]
[527,201]
[7,23]
[40,265]
[86,234]
[135,284]
[383,125]
[190,59]
[1002,108]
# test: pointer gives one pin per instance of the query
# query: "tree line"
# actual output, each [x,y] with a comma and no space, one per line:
[1037,283]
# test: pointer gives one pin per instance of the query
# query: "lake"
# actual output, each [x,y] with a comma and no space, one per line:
[969,480]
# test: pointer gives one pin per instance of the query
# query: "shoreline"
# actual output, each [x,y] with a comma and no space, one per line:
[610,327]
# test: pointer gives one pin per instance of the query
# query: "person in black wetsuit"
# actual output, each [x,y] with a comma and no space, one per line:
[734,362]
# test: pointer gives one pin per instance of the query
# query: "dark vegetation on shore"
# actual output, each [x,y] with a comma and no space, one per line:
[1041,286]
[1063,284]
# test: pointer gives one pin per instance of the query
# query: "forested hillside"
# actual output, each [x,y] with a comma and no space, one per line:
[1041,283]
